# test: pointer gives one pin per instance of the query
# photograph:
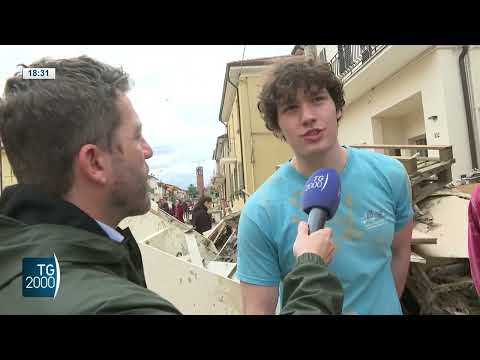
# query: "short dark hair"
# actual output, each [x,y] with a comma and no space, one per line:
[203,200]
[286,77]
[44,123]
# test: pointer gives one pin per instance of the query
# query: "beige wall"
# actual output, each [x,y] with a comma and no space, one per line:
[228,180]
[247,141]
[232,181]
[393,130]
[264,150]
[260,150]
[7,174]
[398,130]
[436,76]
[414,125]
[330,50]
[455,109]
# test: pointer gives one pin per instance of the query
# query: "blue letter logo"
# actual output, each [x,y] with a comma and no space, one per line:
[41,277]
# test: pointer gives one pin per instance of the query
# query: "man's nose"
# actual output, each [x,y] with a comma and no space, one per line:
[147,150]
[307,114]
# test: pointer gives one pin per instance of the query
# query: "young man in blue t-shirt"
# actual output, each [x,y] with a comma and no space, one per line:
[301,102]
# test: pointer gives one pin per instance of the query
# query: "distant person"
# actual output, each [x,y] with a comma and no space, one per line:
[164,206]
[179,211]
[187,210]
[201,219]
[474,237]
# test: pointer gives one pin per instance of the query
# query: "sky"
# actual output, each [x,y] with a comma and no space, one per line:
[177,93]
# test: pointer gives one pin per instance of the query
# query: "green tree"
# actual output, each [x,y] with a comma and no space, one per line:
[192,191]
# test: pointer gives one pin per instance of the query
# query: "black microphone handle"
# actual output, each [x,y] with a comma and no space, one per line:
[316,219]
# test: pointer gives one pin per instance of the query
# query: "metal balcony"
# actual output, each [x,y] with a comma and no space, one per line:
[351,58]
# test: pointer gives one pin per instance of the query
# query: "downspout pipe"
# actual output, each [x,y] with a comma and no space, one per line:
[468,108]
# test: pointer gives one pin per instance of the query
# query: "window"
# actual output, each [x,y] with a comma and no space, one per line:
[323,55]
[232,192]
[235,179]
[345,57]
[422,140]
[366,52]
[240,177]
[228,141]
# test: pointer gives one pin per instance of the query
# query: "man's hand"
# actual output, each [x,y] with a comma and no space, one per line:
[318,243]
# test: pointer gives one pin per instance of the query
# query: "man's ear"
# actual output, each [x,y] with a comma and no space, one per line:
[93,163]
[339,114]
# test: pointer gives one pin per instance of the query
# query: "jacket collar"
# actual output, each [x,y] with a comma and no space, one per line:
[30,205]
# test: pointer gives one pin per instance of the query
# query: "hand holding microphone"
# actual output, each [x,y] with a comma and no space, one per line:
[319,243]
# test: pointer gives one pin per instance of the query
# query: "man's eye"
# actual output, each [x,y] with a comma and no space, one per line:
[289,108]
[318,98]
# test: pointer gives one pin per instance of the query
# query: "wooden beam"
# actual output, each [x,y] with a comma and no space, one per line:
[424,158]
[419,237]
[233,271]
[417,258]
[428,171]
[464,283]
[424,164]
[457,269]
[410,163]
[446,154]
[426,191]
[225,244]
[419,147]
[214,232]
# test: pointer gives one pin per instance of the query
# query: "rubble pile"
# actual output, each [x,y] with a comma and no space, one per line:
[442,283]
[224,238]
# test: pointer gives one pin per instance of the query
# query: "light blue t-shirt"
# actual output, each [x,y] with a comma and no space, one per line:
[375,203]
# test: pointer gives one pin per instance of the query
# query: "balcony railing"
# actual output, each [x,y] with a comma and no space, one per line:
[351,58]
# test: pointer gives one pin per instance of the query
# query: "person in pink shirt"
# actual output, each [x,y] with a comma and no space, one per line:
[474,237]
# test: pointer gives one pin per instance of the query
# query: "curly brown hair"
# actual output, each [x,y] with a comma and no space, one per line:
[284,80]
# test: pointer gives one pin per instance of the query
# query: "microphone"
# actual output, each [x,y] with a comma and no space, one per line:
[321,197]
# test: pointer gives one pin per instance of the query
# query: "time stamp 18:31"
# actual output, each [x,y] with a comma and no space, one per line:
[38,73]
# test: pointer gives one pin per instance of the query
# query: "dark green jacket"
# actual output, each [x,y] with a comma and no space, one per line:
[311,289]
[97,274]
[101,276]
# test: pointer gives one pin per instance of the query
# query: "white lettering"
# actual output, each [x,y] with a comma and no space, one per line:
[318,182]
[41,268]
[50,270]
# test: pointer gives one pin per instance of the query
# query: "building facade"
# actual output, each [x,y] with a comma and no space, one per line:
[410,94]
[248,153]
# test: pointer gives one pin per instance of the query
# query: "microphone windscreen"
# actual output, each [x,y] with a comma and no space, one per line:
[322,190]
